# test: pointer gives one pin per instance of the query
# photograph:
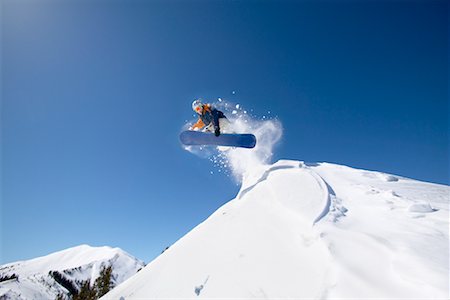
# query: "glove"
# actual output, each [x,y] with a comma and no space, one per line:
[217,132]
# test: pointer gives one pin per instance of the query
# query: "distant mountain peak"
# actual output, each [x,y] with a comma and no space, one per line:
[61,272]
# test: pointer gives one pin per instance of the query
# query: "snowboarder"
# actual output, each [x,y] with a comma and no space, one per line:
[210,119]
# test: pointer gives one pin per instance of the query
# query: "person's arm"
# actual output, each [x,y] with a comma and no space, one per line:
[198,125]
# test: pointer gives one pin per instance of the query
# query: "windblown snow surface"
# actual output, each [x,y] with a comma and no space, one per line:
[75,264]
[307,231]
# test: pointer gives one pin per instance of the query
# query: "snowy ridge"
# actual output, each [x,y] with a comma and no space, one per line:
[75,264]
[315,231]
[396,251]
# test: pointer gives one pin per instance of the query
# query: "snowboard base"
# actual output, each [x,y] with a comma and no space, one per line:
[198,138]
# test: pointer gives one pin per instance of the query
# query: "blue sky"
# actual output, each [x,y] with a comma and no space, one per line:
[94,94]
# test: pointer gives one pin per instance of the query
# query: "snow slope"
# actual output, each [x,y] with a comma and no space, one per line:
[76,264]
[317,231]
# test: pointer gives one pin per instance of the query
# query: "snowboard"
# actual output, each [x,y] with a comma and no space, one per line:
[198,138]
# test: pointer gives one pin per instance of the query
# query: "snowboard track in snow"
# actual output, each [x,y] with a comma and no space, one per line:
[285,165]
[263,178]
[330,194]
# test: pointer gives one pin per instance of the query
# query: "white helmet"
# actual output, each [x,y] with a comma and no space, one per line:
[197,106]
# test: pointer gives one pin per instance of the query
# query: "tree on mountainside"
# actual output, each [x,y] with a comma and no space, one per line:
[103,283]
[8,277]
[86,292]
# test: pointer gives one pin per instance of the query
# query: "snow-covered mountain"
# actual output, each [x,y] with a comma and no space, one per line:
[310,231]
[33,279]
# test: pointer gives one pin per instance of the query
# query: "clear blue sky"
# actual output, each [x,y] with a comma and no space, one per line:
[94,94]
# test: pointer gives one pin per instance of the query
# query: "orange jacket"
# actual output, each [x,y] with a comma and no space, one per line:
[205,117]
